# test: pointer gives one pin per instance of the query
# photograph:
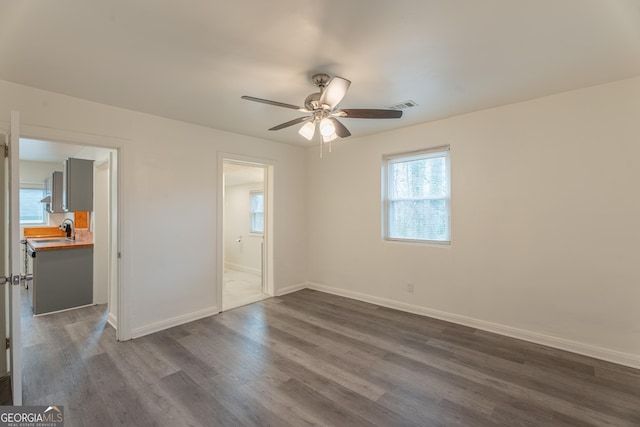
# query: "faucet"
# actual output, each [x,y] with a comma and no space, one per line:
[69,228]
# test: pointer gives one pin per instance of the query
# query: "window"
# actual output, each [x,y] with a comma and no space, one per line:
[257,212]
[417,194]
[31,209]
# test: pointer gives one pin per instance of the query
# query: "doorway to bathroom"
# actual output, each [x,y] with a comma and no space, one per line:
[245,233]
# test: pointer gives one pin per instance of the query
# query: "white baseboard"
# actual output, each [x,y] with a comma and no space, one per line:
[170,323]
[243,268]
[292,288]
[113,321]
[613,356]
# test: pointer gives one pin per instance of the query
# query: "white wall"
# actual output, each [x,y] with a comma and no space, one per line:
[113,238]
[100,228]
[545,222]
[245,255]
[168,195]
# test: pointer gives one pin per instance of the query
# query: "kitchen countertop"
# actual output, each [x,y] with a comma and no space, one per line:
[50,243]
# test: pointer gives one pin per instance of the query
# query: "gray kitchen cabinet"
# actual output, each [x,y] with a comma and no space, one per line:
[62,279]
[53,190]
[77,189]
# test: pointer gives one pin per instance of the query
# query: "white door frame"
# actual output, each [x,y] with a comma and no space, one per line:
[123,330]
[269,166]
[11,253]
[4,258]
[13,294]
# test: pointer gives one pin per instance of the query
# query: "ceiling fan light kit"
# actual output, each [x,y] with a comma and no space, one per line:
[308,130]
[329,138]
[323,110]
[326,127]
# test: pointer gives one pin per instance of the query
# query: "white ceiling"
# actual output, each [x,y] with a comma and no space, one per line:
[236,174]
[43,151]
[192,60]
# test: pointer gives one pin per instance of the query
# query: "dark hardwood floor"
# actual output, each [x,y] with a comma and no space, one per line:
[310,358]
[6,399]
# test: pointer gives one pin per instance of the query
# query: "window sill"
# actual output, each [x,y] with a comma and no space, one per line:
[444,243]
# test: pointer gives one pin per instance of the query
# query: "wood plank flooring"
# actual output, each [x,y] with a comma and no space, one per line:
[310,358]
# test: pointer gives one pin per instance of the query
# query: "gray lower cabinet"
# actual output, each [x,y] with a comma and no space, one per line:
[62,279]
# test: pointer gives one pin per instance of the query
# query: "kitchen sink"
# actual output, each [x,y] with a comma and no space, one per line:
[53,240]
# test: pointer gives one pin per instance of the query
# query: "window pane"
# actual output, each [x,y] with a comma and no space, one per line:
[257,212]
[31,210]
[257,202]
[257,223]
[419,219]
[417,199]
[422,178]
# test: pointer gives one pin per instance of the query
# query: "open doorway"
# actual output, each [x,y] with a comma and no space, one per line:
[42,165]
[245,232]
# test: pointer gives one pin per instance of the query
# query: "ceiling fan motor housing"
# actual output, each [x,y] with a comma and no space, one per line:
[312,102]
[320,79]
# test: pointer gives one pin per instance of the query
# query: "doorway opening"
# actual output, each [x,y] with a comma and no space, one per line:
[24,160]
[42,163]
[245,231]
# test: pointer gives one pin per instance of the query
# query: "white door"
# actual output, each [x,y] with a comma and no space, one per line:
[11,264]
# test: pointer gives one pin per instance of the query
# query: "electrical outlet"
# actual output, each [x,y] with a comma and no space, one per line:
[410,287]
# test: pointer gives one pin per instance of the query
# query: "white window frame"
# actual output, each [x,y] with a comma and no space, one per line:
[387,185]
[35,186]
[252,212]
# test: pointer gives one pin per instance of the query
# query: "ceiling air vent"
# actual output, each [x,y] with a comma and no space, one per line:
[404,105]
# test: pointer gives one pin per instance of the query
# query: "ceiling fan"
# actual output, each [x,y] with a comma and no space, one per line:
[324,112]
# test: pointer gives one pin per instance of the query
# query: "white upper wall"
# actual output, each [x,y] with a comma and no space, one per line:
[545,211]
[168,195]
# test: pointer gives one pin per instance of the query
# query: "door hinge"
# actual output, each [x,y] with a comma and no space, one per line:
[16,279]
[7,343]
[6,151]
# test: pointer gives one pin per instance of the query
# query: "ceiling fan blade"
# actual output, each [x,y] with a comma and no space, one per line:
[276,103]
[360,113]
[341,130]
[335,91]
[292,122]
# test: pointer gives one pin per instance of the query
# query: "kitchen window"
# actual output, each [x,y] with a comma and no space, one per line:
[416,194]
[257,212]
[31,209]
